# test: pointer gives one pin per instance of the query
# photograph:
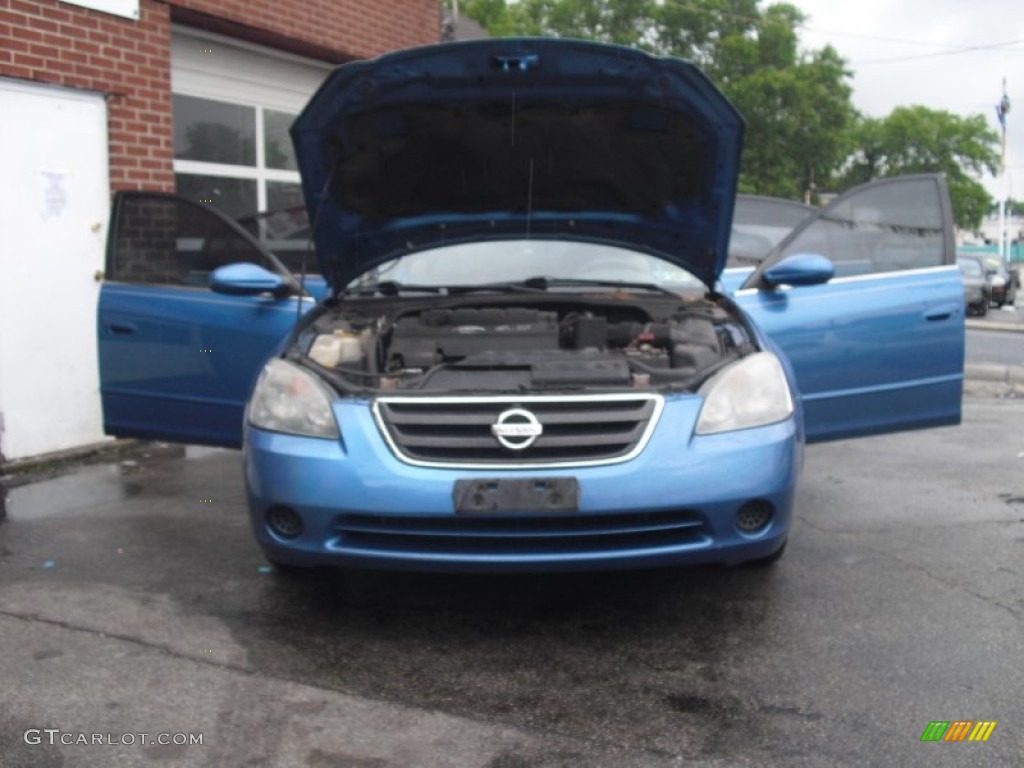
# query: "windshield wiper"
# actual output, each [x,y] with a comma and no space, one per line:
[545,283]
[516,287]
[530,285]
[393,288]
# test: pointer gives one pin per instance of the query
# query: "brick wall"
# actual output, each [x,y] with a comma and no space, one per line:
[356,28]
[53,42]
[130,61]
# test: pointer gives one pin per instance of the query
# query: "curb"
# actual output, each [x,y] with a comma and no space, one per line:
[981,325]
[20,471]
[1003,374]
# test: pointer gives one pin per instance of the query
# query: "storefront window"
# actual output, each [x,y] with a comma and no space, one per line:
[278,149]
[235,197]
[214,132]
[236,157]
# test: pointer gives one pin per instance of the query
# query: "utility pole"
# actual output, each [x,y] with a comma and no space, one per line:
[1002,108]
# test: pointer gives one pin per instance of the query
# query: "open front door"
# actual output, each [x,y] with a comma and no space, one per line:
[879,347]
[178,361]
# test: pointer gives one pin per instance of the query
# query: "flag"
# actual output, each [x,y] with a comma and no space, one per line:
[1001,109]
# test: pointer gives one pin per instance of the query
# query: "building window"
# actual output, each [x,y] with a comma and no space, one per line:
[238,157]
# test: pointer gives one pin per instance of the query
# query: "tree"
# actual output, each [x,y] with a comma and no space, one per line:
[1013,207]
[797,105]
[916,139]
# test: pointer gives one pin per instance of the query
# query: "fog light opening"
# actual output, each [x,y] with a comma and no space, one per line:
[284,522]
[754,516]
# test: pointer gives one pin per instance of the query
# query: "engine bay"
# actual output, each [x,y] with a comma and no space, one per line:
[519,344]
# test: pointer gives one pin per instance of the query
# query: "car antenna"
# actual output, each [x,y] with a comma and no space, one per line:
[309,240]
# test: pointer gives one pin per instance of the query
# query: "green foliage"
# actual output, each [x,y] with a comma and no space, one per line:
[916,139]
[1013,207]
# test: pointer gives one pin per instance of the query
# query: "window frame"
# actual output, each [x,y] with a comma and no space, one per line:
[755,281]
[258,173]
[270,261]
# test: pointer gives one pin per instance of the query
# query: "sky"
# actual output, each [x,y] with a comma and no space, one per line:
[878,38]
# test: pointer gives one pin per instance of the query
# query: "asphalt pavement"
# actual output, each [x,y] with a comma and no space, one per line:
[134,601]
[994,347]
[994,353]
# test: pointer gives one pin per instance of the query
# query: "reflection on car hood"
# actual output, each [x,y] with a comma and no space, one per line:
[518,138]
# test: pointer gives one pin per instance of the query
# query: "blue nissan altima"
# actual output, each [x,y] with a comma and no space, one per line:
[523,350]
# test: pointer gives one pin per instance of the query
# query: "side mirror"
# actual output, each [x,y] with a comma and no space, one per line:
[799,269]
[247,280]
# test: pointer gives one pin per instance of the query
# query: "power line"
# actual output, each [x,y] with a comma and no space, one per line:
[967,49]
[876,38]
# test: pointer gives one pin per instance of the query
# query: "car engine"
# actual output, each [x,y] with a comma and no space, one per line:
[525,345]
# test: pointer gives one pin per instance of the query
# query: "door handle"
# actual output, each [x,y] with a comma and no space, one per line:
[122,329]
[941,312]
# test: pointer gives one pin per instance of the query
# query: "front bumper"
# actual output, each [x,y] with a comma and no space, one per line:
[675,503]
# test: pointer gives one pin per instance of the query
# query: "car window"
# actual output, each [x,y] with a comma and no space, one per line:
[517,260]
[168,240]
[884,228]
[285,233]
[993,265]
[759,224]
[970,267]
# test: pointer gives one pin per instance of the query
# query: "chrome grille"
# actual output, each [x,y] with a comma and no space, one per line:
[577,430]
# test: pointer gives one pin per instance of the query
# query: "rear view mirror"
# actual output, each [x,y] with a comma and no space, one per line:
[247,280]
[799,269]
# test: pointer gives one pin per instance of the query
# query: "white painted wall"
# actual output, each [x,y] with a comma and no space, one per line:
[54,206]
[215,67]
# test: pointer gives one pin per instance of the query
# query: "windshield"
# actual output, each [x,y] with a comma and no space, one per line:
[759,224]
[516,260]
[993,264]
[970,267]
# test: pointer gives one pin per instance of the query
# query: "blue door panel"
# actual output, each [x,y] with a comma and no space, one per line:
[870,355]
[179,363]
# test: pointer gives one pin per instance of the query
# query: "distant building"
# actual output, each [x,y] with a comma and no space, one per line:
[989,231]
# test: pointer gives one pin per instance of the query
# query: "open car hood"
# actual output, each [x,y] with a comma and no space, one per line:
[518,138]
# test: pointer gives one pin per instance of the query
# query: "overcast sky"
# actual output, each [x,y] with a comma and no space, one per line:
[944,76]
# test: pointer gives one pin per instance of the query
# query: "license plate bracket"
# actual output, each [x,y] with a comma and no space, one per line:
[526,495]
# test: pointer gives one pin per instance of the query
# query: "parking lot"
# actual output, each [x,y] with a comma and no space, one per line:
[133,600]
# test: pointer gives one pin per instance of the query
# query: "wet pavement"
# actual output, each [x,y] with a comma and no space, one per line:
[133,600]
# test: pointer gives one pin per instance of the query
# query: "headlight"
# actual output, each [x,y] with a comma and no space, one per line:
[289,399]
[998,281]
[750,393]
